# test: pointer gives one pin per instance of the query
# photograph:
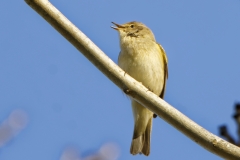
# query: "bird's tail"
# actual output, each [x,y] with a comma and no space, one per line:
[142,130]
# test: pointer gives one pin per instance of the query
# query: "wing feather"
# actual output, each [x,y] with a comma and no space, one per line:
[163,53]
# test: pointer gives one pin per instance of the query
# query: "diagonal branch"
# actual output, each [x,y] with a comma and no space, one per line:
[134,89]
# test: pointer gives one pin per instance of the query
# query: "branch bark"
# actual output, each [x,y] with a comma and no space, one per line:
[134,89]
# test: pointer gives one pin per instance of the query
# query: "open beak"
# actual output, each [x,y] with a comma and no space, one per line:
[117,26]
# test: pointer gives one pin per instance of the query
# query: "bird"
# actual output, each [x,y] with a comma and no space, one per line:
[146,61]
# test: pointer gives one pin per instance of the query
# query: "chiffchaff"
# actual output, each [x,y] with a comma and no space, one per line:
[145,60]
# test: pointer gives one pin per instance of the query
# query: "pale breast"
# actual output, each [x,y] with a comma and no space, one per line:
[144,62]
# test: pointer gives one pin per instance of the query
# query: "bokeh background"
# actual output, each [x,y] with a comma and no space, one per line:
[55,103]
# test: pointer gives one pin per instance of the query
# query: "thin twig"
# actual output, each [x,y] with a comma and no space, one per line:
[224,132]
[236,116]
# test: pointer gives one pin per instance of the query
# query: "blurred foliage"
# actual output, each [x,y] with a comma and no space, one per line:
[223,131]
[109,151]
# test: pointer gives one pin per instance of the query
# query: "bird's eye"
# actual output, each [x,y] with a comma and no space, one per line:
[132,26]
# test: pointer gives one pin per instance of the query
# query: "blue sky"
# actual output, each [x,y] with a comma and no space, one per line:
[69,102]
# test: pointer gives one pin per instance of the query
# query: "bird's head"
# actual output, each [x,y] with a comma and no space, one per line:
[133,30]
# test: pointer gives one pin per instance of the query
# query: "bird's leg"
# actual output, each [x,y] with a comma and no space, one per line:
[154,115]
[126,91]
[125,73]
